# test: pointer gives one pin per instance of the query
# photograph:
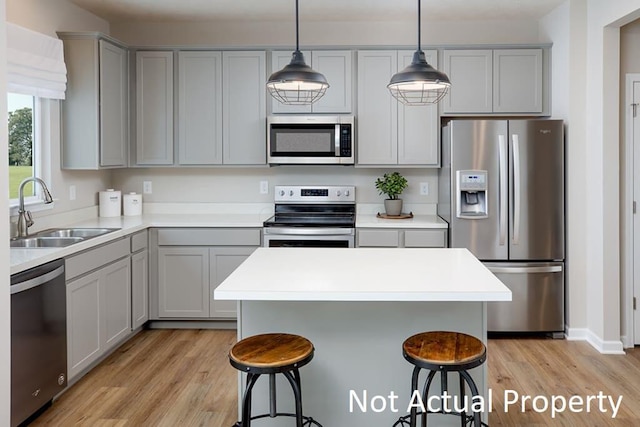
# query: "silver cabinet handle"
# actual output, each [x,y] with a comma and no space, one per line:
[520,270]
[502,197]
[516,189]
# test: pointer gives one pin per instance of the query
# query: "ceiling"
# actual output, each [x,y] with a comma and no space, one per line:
[315,10]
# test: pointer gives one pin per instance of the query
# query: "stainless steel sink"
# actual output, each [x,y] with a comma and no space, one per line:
[84,233]
[58,237]
[44,242]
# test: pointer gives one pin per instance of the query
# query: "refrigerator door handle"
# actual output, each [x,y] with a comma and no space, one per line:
[516,189]
[502,197]
[520,270]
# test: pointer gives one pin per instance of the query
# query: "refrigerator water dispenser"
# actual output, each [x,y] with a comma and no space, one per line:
[472,194]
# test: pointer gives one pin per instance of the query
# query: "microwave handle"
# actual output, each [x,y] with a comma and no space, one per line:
[336,140]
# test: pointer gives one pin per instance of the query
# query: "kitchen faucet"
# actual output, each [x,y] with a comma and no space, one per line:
[24,217]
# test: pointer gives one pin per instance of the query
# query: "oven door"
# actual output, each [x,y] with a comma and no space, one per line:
[280,237]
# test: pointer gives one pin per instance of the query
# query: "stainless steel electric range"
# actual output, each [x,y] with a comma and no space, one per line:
[312,217]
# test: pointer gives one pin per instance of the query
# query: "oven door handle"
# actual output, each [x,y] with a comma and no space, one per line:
[304,231]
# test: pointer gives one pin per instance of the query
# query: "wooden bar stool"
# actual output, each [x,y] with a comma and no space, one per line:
[272,354]
[443,352]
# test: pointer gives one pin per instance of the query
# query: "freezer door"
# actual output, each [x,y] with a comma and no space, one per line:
[537,303]
[481,145]
[536,186]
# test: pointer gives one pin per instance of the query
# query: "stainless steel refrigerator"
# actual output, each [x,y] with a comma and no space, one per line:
[501,189]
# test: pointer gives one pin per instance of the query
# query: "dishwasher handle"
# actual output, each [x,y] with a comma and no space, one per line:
[36,281]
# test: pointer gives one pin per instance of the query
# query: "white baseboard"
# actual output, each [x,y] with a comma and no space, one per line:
[604,347]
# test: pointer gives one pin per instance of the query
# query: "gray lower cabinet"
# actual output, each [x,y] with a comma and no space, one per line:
[95,113]
[139,279]
[401,238]
[188,264]
[388,132]
[98,303]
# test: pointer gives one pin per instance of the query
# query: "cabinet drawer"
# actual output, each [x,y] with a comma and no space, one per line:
[425,239]
[209,237]
[378,238]
[98,257]
[139,241]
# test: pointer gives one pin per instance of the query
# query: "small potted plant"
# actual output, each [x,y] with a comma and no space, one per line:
[392,184]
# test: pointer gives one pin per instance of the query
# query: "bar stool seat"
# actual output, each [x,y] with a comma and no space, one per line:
[443,351]
[271,354]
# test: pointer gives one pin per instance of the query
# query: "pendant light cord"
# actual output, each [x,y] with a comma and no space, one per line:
[297,33]
[419,15]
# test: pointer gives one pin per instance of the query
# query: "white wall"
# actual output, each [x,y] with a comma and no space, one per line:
[324,33]
[47,17]
[5,304]
[565,28]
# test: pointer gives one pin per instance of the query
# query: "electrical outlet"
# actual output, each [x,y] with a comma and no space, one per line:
[72,192]
[264,187]
[424,188]
[146,187]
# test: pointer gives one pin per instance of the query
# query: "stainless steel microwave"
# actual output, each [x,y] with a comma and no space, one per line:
[310,139]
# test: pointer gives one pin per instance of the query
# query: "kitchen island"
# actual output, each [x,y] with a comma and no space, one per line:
[357,306]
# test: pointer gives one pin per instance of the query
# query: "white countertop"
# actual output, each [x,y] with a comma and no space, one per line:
[23,259]
[418,221]
[362,274]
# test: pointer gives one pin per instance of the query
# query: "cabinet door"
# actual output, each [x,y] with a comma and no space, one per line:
[154,108]
[244,138]
[336,67]
[200,108]
[84,310]
[377,123]
[116,297]
[279,59]
[183,282]
[378,238]
[139,288]
[517,81]
[470,73]
[418,126]
[223,261]
[114,110]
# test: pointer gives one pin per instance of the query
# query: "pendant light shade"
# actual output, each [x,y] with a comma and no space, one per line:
[419,83]
[297,83]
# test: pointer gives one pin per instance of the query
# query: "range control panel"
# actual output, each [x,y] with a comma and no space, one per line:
[315,194]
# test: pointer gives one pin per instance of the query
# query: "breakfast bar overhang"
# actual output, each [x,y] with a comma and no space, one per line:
[357,306]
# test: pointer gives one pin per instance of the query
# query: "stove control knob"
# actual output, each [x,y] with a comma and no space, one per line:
[281,192]
[346,193]
[338,193]
[291,193]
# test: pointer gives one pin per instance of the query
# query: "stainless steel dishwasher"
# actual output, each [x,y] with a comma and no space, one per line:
[38,339]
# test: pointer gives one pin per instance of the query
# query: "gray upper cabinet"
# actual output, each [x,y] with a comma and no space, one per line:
[336,65]
[470,73]
[154,108]
[517,81]
[500,81]
[244,139]
[95,112]
[390,133]
[200,108]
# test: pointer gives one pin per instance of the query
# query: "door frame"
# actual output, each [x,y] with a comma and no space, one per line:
[627,293]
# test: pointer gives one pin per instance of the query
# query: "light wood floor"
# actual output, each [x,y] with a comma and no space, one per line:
[183,378]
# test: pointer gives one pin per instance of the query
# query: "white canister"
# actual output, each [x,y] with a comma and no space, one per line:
[132,204]
[110,203]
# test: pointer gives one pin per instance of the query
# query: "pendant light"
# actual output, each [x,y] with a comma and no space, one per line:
[297,83]
[419,83]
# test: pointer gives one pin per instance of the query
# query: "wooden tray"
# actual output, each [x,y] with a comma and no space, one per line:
[401,216]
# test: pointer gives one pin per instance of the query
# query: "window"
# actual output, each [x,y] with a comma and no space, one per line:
[25,144]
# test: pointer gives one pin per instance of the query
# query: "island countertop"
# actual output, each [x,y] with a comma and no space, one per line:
[362,274]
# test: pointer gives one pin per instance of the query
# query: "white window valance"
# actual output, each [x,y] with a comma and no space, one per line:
[35,63]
